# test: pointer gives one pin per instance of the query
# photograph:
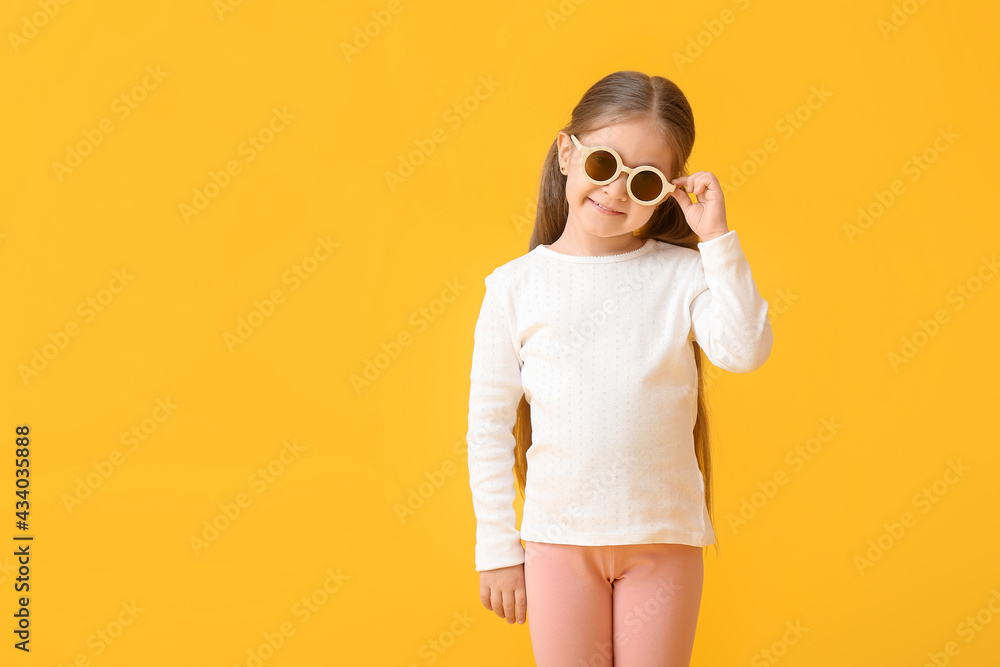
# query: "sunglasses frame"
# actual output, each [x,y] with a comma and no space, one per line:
[585,152]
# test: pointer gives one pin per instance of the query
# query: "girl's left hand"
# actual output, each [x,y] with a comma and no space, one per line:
[707,216]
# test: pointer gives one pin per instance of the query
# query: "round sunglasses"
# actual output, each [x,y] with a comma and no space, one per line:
[646,185]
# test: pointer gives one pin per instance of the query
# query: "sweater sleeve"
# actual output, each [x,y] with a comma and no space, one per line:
[728,315]
[494,395]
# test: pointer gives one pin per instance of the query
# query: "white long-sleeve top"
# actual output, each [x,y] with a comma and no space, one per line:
[600,348]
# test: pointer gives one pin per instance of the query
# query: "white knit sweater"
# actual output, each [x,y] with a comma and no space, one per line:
[600,348]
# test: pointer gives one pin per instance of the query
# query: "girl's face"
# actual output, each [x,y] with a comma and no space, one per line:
[638,142]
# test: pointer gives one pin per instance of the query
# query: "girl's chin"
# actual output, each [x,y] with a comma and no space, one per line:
[606,231]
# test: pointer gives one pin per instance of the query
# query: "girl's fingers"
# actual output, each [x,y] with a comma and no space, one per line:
[521,604]
[693,184]
[496,602]
[689,183]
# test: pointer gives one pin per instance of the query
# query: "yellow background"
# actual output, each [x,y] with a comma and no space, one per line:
[841,307]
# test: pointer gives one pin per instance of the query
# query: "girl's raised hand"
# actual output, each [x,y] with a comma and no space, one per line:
[707,216]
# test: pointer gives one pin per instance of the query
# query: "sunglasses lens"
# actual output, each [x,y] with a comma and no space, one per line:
[647,185]
[601,165]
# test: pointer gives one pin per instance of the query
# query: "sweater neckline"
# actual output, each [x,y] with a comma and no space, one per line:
[598,259]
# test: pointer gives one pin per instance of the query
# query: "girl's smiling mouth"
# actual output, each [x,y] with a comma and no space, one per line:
[603,209]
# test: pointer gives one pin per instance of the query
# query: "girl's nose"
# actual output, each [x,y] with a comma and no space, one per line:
[616,188]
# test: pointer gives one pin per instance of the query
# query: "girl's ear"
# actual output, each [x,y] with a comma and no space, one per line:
[564,148]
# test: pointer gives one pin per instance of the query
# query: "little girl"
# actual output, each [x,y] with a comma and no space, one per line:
[586,371]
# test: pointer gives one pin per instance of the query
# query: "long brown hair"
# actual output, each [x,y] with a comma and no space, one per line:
[620,97]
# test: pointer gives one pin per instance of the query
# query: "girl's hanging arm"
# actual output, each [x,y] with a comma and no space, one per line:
[494,395]
[728,315]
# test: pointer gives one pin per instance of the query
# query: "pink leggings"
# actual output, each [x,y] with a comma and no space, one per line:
[633,605]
